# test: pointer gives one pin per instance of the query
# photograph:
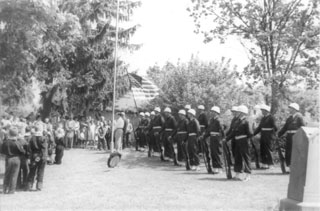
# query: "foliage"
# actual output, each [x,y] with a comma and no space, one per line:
[197,82]
[71,51]
[281,36]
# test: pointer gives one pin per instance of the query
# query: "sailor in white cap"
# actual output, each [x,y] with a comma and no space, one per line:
[170,127]
[234,120]
[151,138]
[241,133]
[267,129]
[216,133]
[180,136]
[203,121]
[157,125]
[193,134]
[293,123]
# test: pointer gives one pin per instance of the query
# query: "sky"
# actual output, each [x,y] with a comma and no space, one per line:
[166,34]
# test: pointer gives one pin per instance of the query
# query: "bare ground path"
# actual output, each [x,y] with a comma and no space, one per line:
[83,182]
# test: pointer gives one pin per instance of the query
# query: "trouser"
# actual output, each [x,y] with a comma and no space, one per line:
[37,168]
[118,135]
[288,148]
[108,140]
[216,151]
[70,142]
[76,139]
[11,174]
[23,173]
[158,142]
[193,151]
[50,153]
[59,154]
[266,149]
[242,156]
[168,146]
[180,139]
[102,143]
[205,145]
[126,140]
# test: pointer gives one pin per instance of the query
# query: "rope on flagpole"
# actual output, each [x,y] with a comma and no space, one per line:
[115,77]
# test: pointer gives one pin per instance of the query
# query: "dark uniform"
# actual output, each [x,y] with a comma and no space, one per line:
[140,134]
[216,133]
[231,128]
[12,149]
[193,134]
[203,121]
[24,165]
[241,134]
[293,123]
[38,148]
[146,129]
[267,128]
[180,136]
[152,142]
[157,125]
[169,128]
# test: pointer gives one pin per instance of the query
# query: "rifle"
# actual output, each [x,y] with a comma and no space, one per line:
[227,159]
[256,154]
[280,154]
[203,148]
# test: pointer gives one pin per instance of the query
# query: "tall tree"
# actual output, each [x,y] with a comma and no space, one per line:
[281,36]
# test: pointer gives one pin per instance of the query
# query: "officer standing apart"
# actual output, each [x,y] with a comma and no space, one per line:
[216,133]
[241,133]
[38,149]
[267,129]
[193,134]
[293,123]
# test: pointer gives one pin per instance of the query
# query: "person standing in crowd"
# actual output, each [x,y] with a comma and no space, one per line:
[233,123]
[180,136]
[140,136]
[124,130]
[267,128]
[241,133]
[48,134]
[145,132]
[193,134]
[157,125]
[91,131]
[203,143]
[38,153]
[108,134]
[101,136]
[293,123]
[128,133]
[12,149]
[70,128]
[76,131]
[170,126]
[152,143]
[60,144]
[24,164]
[118,133]
[216,133]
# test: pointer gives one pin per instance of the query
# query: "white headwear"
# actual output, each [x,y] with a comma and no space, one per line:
[141,114]
[294,106]
[183,112]
[265,107]
[147,114]
[192,111]
[187,107]
[234,108]
[157,109]
[167,109]
[243,109]
[201,107]
[216,109]
[152,113]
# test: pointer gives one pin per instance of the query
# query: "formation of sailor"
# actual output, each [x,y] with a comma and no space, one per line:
[190,135]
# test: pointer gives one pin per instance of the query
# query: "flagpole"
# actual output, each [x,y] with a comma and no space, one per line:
[115,78]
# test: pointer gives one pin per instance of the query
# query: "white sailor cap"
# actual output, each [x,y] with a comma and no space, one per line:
[152,113]
[187,107]
[201,107]
[192,111]
[183,112]
[167,109]
[216,109]
[265,107]
[141,114]
[295,106]
[157,109]
[147,114]
[243,109]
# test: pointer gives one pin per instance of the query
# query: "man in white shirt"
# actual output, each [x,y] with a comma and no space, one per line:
[118,126]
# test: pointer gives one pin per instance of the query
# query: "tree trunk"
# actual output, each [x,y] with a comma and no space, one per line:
[275,97]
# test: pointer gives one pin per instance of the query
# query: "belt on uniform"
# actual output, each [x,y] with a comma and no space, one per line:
[156,127]
[291,131]
[181,132]
[266,129]
[168,129]
[240,137]
[202,125]
[192,134]
[214,133]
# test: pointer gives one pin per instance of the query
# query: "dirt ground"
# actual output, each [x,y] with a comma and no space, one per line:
[84,182]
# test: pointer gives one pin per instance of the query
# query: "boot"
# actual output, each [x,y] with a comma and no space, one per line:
[149,153]
[188,168]
[39,186]
[209,170]
[29,186]
[176,163]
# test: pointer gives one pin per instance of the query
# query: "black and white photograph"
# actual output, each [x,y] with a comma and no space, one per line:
[159,105]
